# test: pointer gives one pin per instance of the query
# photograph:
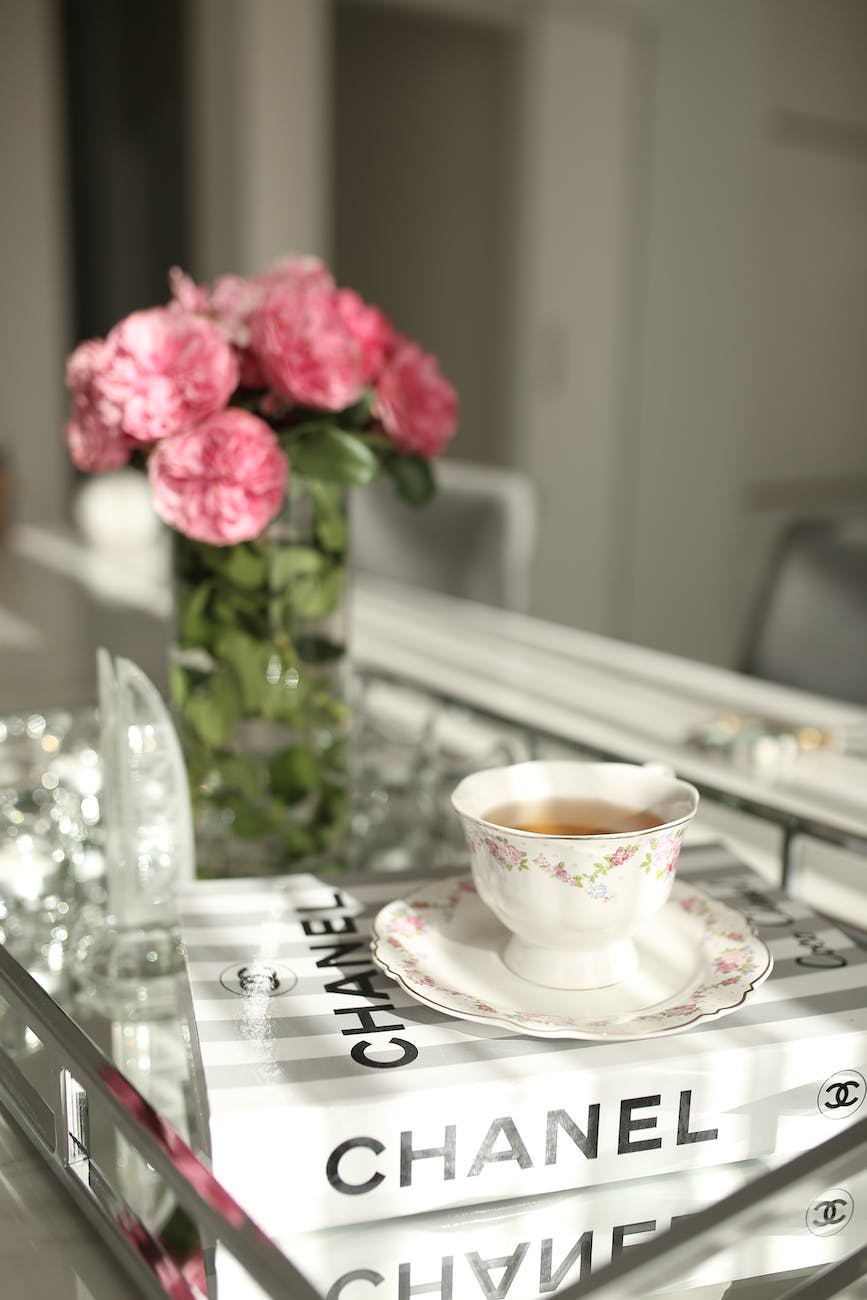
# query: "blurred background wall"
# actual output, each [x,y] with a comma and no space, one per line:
[635,232]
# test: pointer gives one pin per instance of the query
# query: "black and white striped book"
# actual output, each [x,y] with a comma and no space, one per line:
[335,1097]
[523,1250]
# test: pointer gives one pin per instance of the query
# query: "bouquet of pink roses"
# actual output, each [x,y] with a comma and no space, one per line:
[255,403]
[229,385]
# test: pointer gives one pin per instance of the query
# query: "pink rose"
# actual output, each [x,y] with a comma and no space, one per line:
[232,299]
[95,444]
[162,370]
[220,481]
[417,406]
[228,304]
[298,274]
[370,328]
[307,352]
[187,295]
[94,448]
[84,363]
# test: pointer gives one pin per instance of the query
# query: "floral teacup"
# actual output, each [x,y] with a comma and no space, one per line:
[572,902]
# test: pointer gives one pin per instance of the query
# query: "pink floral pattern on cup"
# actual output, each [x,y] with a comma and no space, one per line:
[621,855]
[659,861]
[662,858]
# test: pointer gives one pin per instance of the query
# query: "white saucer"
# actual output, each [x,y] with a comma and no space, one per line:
[699,959]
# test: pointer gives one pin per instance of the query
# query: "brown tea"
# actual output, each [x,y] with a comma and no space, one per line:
[572,817]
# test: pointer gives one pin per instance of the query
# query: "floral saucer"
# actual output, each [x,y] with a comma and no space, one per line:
[699,959]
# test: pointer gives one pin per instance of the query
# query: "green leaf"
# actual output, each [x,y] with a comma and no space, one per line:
[319,649]
[285,705]
[314,596]
[234,608]
[211,558]
[244,567]
[240,772]
[251,822]
[332,532]
[330,521]
[334,758]
[414,479]
[193,622]
[334,456]
[179,685]
[248,660]
[297,843]
[307,428]
[331,817]
[289,563]
[214,711]
[293,773]
[379,442]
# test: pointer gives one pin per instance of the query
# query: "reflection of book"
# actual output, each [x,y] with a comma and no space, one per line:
[519,1250]
[334,1097]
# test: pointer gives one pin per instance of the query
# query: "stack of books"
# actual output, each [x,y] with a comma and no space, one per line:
[334,1098]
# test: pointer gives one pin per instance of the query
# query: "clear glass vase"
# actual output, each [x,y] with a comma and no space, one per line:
[258,679]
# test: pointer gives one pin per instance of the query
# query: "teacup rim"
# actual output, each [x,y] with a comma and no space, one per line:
[669,825]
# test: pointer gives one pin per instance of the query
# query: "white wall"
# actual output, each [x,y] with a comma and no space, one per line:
[585,70]
[697,295]
[753,384]
[260,95]
[694,302]
[806,451]
[34,321]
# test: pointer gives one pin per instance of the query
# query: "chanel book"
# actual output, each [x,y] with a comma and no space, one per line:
[335,1097]
[520,1250]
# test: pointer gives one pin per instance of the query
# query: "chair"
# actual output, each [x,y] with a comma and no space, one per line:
[810,630]
[476,539]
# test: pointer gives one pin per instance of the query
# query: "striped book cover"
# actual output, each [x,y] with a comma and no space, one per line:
[334,1097]
[521,1250]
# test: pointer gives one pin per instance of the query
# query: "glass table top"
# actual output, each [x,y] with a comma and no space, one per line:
[442,689]
[416,745]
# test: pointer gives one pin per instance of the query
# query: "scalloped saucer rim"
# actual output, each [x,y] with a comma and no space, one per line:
[700,959]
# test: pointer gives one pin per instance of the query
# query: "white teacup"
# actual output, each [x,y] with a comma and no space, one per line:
[573,901]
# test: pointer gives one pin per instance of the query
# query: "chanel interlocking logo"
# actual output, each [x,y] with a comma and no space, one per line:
[258,979]
[842,1094]
[830,1212]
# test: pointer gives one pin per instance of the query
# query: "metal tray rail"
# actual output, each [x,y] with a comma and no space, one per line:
[59,1127]
[535,738]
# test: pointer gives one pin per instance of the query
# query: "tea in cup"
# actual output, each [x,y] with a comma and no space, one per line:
[573,858]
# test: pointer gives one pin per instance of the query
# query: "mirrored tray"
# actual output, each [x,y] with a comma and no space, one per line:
[110,1097]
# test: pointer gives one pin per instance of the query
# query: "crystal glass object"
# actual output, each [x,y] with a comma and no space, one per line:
[129,957]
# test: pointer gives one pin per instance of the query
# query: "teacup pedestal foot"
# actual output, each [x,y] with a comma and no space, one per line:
[592,967]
